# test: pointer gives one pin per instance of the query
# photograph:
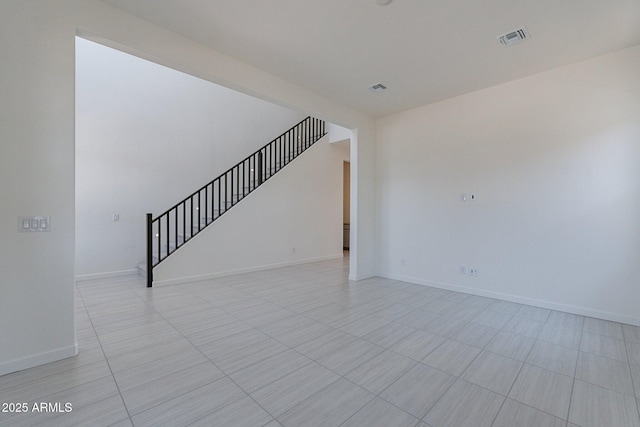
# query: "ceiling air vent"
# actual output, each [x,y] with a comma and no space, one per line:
[513,37]
[378,87]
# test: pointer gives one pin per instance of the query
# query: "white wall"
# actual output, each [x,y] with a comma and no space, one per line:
[554,162]
[294,217]
[37,110]
[36,171]
[146,137]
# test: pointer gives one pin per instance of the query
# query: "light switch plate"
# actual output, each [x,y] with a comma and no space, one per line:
[34,224]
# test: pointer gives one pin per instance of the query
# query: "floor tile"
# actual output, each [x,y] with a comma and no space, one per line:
[553,357]
[241,413]
[417,318]
[105,412]
[283,394]
[635,376]
[475,335]
[601,345]
[465,404]
[155,369]
[452,357]
[515,414]
[444,326]
[257,329]
[325,344]
[389,334]
[592,405]
[478,302]
[304,334]
[631,333]
[492,371]
[364,325]
[379,413]
[524,326]
[492,319]
[247,356]
[533,313]
[191,406]
[603,327]
[256,376]
[465,312]
[349,356]
[633,351]
[605,372]
[165,388]
[418,345]
[55,383]
[566,337]
[418,389]
[565,320]
[323,409]
[505,307]
[511,345]
[381,371]
[544,390]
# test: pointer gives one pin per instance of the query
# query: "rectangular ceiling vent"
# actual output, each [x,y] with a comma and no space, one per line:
[379,87]
[513,37]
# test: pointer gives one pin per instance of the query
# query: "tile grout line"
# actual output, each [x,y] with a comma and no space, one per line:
[573,383]
[105,357]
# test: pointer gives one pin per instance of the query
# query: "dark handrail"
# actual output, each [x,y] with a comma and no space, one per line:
[225,191]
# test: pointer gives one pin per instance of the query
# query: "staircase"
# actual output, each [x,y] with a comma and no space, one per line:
[170,230]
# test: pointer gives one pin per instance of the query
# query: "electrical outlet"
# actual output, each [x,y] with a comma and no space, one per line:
[462,269]
[116,217]
[474,271]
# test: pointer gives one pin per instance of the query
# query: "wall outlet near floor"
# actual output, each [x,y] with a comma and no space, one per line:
[473,271]
[462,269]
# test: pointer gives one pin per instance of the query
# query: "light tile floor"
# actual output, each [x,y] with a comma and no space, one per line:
[303,346]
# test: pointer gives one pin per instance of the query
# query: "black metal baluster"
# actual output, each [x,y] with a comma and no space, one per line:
[219,197]
[175,228]
[149,250]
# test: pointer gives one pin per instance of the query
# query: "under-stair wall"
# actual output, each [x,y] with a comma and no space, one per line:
[294,217]
[142,126]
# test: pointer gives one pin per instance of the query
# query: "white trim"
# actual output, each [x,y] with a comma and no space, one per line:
[582,311]
[106,275]
[208,276]
[38,359]
[357,277]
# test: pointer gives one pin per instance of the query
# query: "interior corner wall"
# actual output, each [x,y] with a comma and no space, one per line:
[294,217]
[147,136]
[553,163]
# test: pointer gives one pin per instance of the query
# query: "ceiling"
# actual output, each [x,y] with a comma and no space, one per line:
[422,50]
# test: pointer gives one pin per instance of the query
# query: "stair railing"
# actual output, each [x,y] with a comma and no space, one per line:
[172,229]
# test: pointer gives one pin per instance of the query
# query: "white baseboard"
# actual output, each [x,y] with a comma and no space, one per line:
[215,275]
[38,359]
[567,308]
[106,275]
[356,277]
